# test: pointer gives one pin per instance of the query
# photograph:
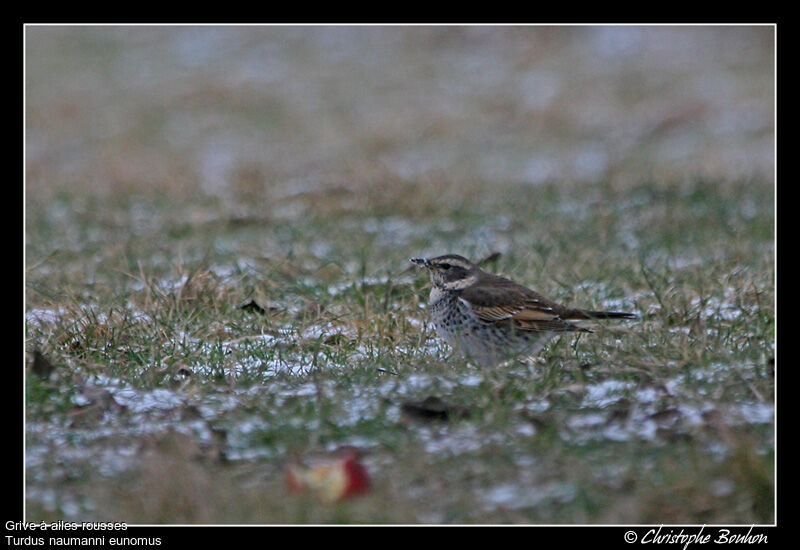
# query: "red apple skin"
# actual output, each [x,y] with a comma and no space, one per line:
[347,468]
[358,479]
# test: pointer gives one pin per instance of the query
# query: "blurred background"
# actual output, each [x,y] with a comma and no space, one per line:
[268,111]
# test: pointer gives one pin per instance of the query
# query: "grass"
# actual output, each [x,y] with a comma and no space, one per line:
[201,339]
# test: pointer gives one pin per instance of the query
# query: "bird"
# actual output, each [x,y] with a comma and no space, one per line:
[489,318]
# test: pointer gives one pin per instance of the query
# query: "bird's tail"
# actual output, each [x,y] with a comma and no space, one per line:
[584,314]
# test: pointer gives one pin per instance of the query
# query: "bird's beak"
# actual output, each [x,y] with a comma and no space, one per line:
[422,262]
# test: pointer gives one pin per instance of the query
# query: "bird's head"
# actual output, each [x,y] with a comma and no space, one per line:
[449,272]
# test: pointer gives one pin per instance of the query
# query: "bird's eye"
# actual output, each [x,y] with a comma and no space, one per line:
[445,266]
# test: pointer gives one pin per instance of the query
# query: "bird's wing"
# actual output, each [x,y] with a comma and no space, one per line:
[505,302]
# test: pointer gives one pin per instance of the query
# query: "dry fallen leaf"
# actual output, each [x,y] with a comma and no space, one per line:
[433,408]
[96,402]
[41,366]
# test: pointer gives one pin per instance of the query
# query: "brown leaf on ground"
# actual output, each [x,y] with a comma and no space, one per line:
[493,257]
[41,365]
[433,408]
[252,305]
[98,402]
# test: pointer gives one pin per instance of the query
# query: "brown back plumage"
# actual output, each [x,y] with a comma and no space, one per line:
[496,299]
